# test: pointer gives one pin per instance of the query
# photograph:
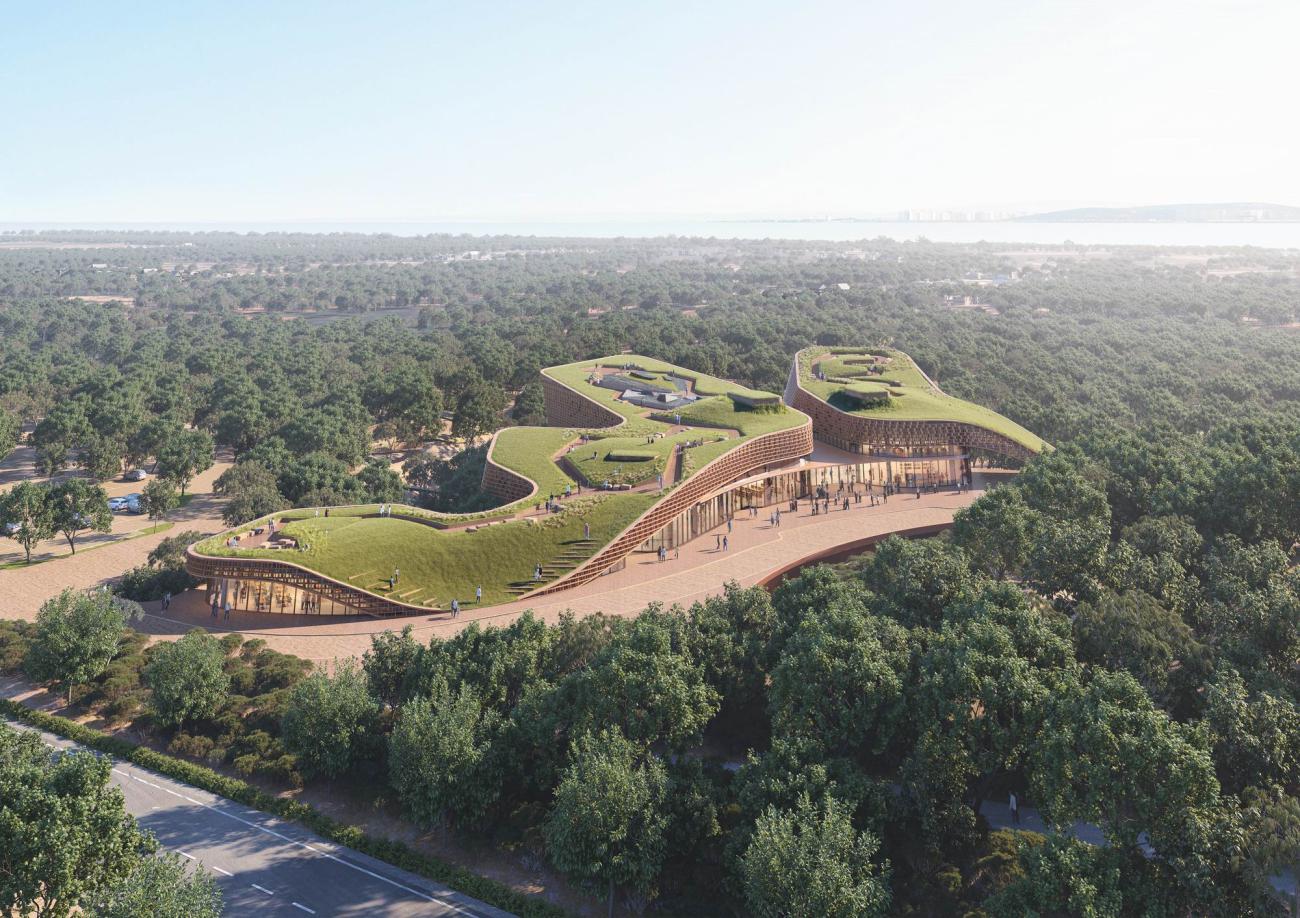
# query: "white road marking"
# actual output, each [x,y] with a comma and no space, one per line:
[224,873]
[338,860]
[184,854]
[309,911]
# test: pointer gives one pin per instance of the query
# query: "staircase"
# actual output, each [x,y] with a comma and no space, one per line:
[573,555]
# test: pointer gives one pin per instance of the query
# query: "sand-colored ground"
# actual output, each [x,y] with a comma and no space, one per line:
[101,557]
[756,550]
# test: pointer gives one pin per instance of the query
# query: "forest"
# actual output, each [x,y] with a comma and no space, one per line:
[1112,637]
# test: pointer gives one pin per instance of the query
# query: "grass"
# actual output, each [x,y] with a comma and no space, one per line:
[438,565]
[528,451]
[445,565]
[914,398]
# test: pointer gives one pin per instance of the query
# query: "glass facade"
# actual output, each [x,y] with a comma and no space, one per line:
[917,470]
[280,598]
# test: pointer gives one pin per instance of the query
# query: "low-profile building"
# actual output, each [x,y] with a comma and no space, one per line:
[639,456]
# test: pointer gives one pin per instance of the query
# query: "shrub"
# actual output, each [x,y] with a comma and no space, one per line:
[144,584]
[394,852]
[13,645]
[196,747]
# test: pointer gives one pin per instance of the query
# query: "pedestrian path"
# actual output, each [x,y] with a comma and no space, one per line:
[758,551]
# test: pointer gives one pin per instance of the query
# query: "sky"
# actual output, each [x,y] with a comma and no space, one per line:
[417,111]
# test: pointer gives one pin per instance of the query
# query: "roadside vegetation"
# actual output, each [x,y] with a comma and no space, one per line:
[1112,638]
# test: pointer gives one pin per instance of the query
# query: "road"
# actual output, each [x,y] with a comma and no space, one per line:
[266,866]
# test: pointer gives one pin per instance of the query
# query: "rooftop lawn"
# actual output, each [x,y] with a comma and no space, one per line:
[915,399]
[441,564]
[603,468]
[444,565]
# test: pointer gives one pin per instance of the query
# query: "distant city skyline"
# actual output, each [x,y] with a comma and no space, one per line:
[408,111]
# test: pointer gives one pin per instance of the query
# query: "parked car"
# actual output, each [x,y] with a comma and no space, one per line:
[133,504]
[11,528]
[117,504]
[137,475]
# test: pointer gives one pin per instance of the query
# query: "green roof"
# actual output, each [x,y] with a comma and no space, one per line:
[911,394]
[439,563]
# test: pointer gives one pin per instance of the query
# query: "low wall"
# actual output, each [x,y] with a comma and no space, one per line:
[846,549]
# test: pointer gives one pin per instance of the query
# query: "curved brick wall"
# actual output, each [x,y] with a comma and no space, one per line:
[567,408]
[502,483]
[777,447]
[846,431]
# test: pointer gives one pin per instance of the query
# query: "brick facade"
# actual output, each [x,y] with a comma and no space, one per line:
[860,434]
[749,458]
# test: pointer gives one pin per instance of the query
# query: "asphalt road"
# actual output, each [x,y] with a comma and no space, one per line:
[266,866]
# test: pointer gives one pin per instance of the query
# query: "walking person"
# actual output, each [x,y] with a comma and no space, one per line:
[167,600]
[227,610]
[478,596]
[728,524]
[455,608]
[724,543]
[1014,805]
[586,532]
[717,542]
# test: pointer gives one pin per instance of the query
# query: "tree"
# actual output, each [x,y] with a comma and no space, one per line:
[916,580]
[382,484]
[478,410]
[1133,632]
[810,862]
[65,834]
[158,497]
[607,823]
[1104,754]
[161,886]
[101,457]
[1274,835]
[187,679]
[183,455]
[26,515]
[76,635]
[643,686]
[439,759]
[841,682]
[327,719]
[251,492]
[10,428]
[1256,739]
[994,531]
[75,504]
[389,662]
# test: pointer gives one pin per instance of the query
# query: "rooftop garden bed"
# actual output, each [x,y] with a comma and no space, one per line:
[438,563]
[439,566]
[849,370]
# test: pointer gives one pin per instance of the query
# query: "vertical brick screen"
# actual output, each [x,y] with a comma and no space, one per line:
[747,459]
[850,432]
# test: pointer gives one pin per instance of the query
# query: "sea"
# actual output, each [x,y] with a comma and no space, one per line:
[1262,235]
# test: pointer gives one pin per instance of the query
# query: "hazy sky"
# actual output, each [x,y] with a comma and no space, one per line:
[279,110]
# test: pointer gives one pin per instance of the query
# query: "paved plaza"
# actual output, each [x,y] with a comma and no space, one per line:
[756,550]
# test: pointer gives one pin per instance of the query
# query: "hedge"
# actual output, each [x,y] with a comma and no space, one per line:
[629,455]
[397,853]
